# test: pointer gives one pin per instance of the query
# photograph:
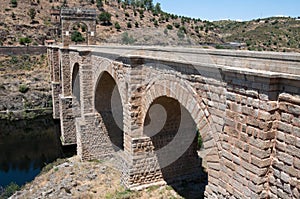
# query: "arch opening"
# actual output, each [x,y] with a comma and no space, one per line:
[108,104]
[76,82]
[174,137]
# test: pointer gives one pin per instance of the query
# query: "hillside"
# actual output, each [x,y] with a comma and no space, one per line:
[272,34]
[142,23]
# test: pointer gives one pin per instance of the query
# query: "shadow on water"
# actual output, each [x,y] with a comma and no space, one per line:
[26,146]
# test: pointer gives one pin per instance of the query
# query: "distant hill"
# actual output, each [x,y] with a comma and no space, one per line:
[143,23]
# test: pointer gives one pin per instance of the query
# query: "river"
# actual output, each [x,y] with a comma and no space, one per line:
[26,146]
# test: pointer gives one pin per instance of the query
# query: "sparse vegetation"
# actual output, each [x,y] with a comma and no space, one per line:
[199,140]
[24,40]
[117,26]
[9,190]
[31,13]
[14,3]
[127,39]
[282,31]
[23,88]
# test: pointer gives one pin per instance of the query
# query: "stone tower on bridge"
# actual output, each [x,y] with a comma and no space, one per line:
[71,16]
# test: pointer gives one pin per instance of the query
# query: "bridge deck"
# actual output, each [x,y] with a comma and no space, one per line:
[270,64]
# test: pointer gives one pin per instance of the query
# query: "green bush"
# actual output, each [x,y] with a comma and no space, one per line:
[23,88]
[77,37]
[105,17]
[117,26]
[14,3]
[9,190]
[169,26]
[24,40]
[129,25]
[177,25]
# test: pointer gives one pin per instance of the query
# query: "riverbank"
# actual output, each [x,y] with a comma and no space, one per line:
[75,179]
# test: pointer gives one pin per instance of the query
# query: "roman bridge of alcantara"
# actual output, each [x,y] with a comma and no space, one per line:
[147,105]
[144,108]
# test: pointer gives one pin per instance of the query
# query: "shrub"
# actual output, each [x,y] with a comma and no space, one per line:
[31,13]
[105,17]
[180,34]
[177,25]
[129,25]
[155,23]
[24,40]
[127,39]
[166,31]
[14,3]
[23,88]
[13,16]
[183,29]
[117,26]
[77,37]
[169,26]
[136,24]
[10,190]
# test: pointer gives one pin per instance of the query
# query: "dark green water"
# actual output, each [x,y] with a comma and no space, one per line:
[26,146]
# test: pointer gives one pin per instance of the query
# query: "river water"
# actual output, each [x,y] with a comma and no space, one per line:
[26,146]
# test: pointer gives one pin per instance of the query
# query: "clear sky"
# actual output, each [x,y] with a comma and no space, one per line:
[231,9]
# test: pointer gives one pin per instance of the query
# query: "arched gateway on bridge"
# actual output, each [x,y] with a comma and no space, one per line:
[74,16]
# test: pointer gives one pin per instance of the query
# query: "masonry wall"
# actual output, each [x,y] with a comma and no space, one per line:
[285,171]
[21,50]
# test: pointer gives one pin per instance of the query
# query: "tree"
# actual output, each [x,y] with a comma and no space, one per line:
[99,4]
[65,3]
[117,26]
[14,3]
[31,13]
[105,17]
[77,37]
[24,40]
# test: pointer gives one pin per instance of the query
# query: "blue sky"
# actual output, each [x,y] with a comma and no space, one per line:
[231,9]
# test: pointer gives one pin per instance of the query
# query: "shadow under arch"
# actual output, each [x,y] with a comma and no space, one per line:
[181,93]
[76,82]
[184,173]
[108,104]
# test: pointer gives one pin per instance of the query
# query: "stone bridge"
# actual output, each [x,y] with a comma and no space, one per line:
[145,108]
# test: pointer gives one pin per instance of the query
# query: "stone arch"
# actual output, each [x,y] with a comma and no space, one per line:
[109,104]
[71,16]
[169,86]
[179,90]
[105,65]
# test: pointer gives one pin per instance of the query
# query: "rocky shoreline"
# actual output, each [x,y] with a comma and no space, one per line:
[71,178]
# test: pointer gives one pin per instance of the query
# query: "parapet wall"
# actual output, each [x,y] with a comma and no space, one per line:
[21,50]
